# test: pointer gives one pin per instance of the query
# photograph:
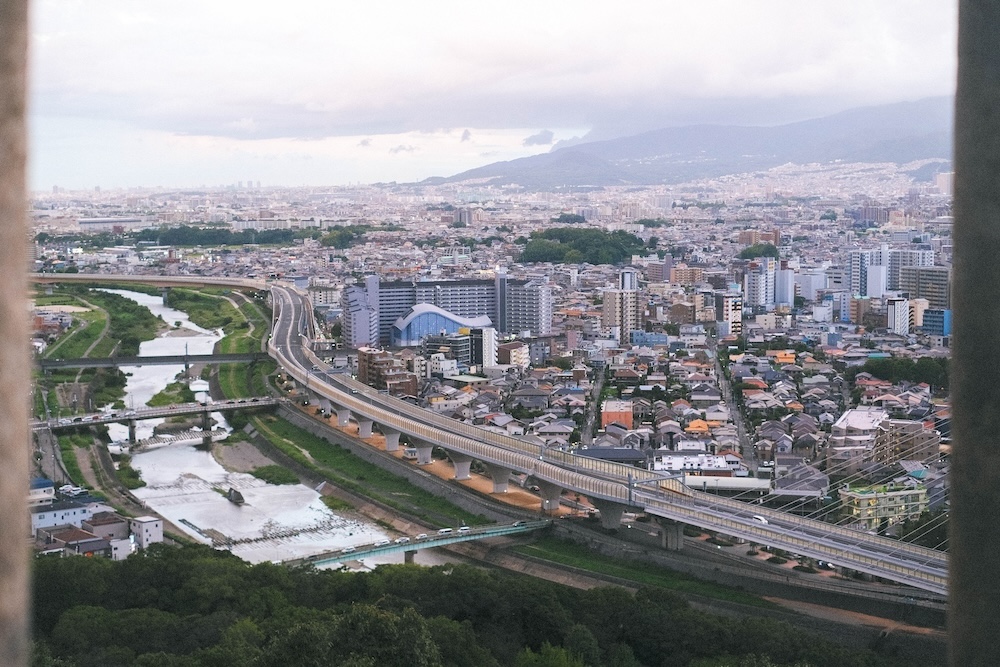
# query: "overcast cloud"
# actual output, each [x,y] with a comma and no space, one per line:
[203,92]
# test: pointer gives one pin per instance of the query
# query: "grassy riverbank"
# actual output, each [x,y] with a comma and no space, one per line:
[579,556]
[354,474]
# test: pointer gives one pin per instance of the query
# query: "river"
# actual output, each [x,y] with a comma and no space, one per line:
[183,483]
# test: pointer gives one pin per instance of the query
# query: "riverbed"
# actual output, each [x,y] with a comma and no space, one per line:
[186,485]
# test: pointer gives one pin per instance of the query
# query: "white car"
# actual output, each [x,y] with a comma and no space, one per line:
[421,536]
[402,540]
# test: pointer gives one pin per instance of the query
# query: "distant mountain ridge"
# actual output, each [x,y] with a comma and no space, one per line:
[898,133]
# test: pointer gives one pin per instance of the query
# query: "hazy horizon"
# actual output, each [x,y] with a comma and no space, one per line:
[184,94]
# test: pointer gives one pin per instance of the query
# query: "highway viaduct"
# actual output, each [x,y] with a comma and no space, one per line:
[612,488]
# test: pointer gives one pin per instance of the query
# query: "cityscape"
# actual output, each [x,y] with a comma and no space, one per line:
[423,339]
[775,339]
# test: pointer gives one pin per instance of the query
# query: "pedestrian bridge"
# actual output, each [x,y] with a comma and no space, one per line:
[410,545]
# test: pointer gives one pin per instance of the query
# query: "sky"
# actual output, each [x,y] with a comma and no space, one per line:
[184,93]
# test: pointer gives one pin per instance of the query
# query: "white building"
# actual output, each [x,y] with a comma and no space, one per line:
[758,283]
[784,287]
[65,513]
[898,316]
[146,530]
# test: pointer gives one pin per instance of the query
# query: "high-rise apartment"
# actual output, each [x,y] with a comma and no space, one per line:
[622,309]
[927,282]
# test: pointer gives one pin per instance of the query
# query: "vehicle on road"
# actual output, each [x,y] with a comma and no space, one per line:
[759,519]
[445,531]
[382,543]
[402,540]
[347,550]
[464,529]
[421,536]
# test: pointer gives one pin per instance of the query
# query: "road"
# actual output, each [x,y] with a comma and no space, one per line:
[601,480]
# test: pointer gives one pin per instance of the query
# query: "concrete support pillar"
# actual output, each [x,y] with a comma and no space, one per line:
[611,513]
[671,534]
[325,404]
[131,431]
[974,541]
[550,494]
[206,428]
[343,417]
[424,451]
[462,463]
[408,556]
[365,428]
[164,294]
[500,477]
[391,438]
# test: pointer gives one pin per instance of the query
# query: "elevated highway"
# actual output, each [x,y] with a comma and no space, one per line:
[612,487]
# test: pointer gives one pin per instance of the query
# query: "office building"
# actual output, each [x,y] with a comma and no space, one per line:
[372,309]
[937,322]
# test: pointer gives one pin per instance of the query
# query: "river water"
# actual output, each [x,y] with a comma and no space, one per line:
[183,483]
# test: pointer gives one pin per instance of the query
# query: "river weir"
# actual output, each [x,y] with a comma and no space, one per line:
[190,488]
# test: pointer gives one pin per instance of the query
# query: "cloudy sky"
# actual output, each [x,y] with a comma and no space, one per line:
[316,92]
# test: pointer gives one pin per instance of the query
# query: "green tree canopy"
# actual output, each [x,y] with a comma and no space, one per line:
[759,250]
[574,245]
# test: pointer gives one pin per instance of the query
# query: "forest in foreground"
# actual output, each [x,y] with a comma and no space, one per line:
[194,606]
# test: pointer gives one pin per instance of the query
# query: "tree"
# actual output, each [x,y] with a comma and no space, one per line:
[547,656]
[829,215]
[582,645]
[759,250]
[569,219]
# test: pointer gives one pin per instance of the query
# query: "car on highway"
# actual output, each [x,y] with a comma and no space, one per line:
[464,529]
[518,523]
[445,531]
[421,536]
[401,540]
[759,519]
[347,550]
[382,543]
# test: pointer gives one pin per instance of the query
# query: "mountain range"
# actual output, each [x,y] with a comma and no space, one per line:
[900,133]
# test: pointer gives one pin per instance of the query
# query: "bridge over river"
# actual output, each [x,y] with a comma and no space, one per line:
[410,545]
